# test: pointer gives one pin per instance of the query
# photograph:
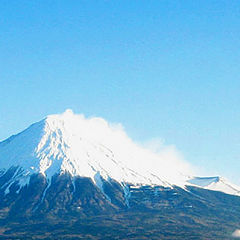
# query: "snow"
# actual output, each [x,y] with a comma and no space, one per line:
[236,233]
[43,195]
[94,148]
[215,184]
[99,183]
[203,181]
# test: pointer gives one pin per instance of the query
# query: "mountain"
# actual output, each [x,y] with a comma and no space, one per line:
[82,178]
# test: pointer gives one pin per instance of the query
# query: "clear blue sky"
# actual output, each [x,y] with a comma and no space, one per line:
[164,69]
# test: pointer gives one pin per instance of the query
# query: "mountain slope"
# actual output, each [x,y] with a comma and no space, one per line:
[81,147]
[66,173]
[69,143]
[215,184]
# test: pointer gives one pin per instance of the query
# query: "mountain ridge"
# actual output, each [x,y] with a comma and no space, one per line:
[71,177]
[70,143]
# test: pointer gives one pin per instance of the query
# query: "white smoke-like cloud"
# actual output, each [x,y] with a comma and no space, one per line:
[153,156]
[236,233]
[169,154]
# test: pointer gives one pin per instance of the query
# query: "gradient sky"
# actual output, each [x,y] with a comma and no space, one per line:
[166,70]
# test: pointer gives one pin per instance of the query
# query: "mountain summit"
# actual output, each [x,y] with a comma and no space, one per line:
[93,148]
[70,176]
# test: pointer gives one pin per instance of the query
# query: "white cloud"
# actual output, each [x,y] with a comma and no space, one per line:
[236,233]
[167,158]
[154,144]
[153,156]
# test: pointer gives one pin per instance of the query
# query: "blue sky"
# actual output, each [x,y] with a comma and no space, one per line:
[164,69]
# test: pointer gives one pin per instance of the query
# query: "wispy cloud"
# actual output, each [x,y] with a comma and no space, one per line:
[153,156]
[236,233]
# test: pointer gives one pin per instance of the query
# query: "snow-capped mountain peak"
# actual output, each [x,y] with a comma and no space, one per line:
[93,148]
[216,184]
[82,147]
